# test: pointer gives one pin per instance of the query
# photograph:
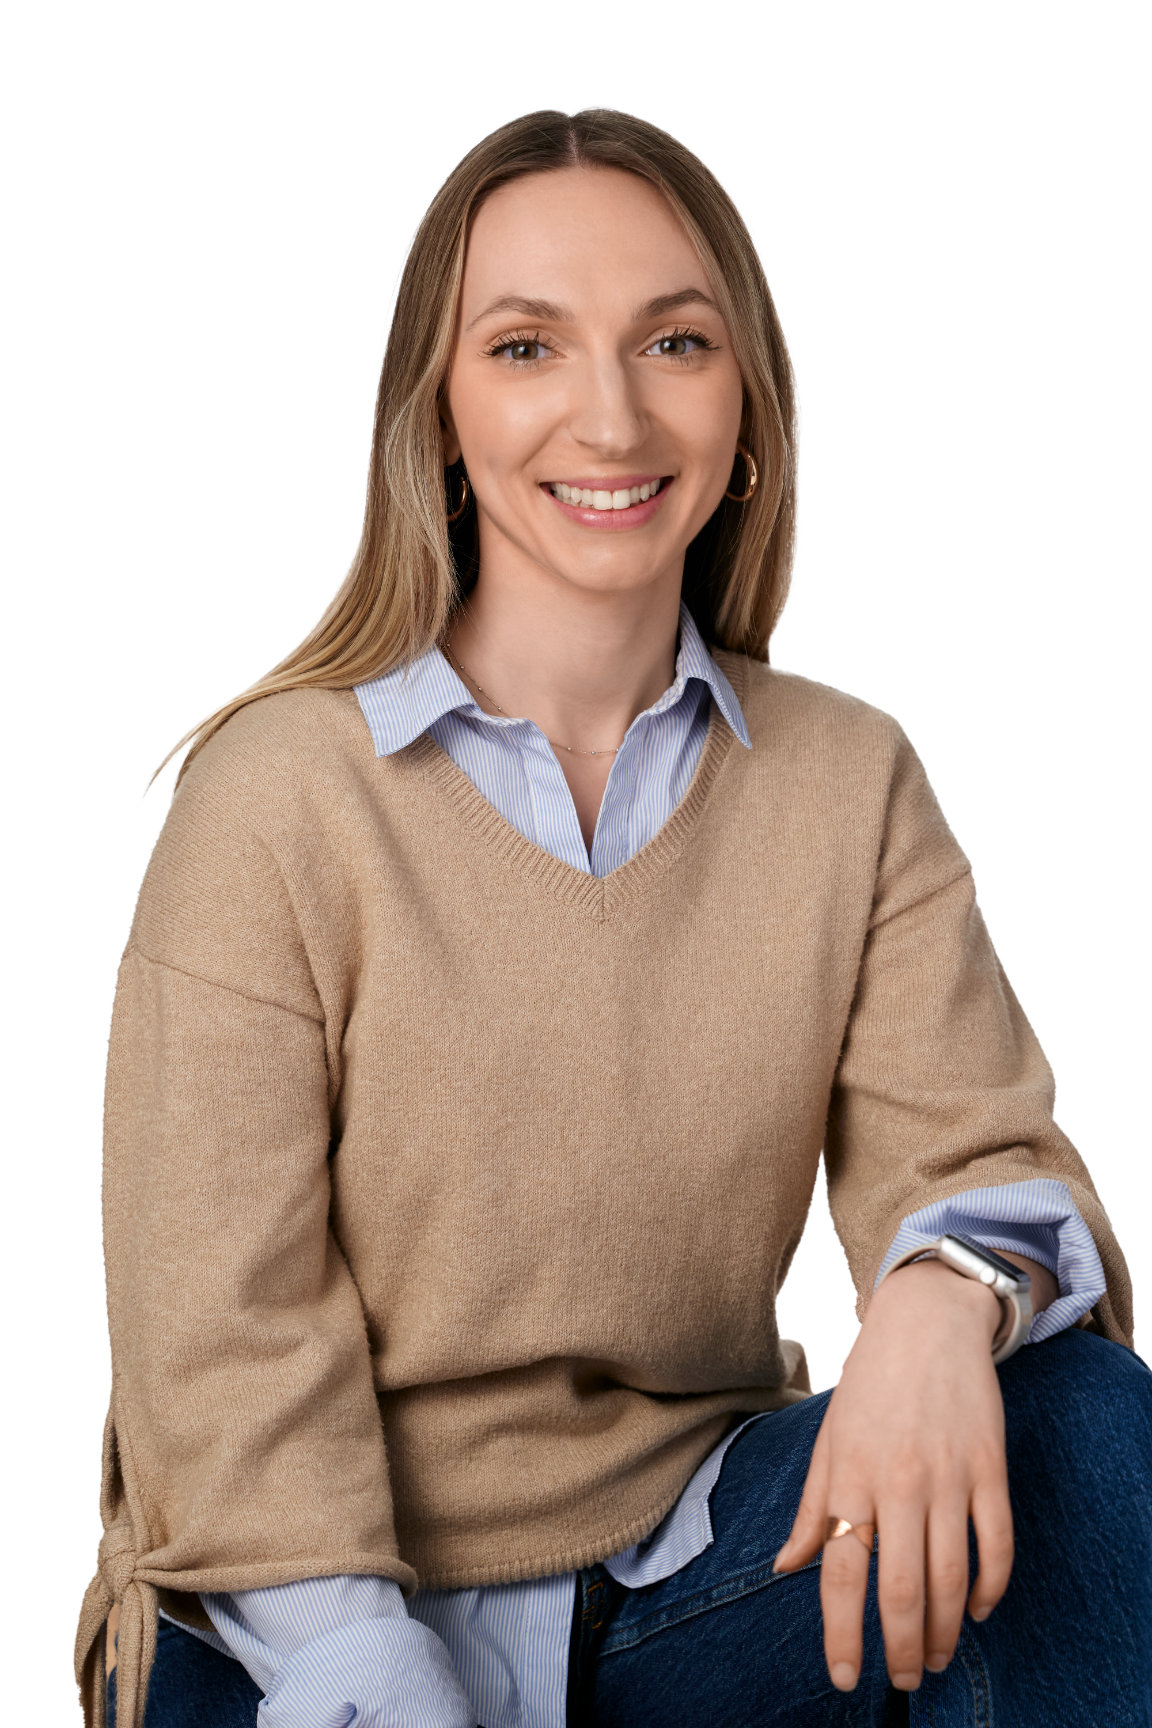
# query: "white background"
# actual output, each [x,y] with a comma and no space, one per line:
[206,213]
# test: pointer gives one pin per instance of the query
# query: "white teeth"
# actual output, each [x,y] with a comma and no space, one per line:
[622,498]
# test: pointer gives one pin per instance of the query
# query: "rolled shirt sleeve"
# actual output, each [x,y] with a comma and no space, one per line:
[330,1651]
[1037,1219]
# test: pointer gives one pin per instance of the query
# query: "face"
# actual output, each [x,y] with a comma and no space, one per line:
[593,392]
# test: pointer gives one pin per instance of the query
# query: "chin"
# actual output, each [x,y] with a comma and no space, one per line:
[609,578]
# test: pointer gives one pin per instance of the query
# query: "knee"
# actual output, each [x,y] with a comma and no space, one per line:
[1080,1407]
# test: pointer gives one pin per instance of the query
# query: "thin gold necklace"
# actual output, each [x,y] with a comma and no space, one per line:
[477,686]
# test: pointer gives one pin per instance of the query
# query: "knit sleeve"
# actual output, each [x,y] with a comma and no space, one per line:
[941,1085]
[246,1445]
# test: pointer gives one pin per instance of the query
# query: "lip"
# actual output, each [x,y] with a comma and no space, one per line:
[611,521]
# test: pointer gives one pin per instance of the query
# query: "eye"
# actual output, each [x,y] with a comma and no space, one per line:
[519,350]
[680,345]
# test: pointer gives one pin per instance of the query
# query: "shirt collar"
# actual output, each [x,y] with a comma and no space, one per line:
[694,661]
[406,701]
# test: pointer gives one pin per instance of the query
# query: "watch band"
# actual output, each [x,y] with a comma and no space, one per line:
[1009,1283]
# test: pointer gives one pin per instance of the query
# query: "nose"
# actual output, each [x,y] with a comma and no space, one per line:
[605,414]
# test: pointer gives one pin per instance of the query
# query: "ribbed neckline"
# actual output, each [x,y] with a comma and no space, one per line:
[598,896]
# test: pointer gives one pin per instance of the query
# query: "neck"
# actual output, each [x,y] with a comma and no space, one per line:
[580,663]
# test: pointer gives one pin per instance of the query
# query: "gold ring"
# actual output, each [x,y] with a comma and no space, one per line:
[865,1533]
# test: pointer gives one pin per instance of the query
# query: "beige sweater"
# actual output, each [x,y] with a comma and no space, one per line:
[449,1189]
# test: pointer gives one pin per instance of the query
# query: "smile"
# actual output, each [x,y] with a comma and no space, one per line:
[601,498]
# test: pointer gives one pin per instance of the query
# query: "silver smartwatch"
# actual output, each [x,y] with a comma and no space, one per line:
[1012,1285]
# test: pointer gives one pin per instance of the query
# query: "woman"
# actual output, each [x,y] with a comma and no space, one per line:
[498,978]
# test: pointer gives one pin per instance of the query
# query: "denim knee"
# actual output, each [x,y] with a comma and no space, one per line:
[1081,1372]
[1079,1409]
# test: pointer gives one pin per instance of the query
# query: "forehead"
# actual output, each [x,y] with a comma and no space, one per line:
[577,236]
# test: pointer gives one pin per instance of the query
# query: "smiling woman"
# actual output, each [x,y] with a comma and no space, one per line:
[701,311]
[599,443]
[509,957]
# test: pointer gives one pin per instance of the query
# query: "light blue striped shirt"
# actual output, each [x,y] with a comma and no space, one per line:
[332,1651]
[512,763]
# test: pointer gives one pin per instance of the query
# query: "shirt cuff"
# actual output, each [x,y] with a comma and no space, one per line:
[1036,1219]
[329,1651]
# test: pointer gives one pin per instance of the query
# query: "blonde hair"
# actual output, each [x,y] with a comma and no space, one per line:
[412,567]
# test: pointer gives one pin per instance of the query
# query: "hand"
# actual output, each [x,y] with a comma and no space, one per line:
[913,1442]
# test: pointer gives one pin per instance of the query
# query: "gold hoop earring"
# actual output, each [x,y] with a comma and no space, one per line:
[455,515]
[753,476]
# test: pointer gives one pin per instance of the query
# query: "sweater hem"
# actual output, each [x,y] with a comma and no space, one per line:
[221,1580]
[559,1561]
[523,1565]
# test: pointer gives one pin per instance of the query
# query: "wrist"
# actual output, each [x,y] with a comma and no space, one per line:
[930,1285]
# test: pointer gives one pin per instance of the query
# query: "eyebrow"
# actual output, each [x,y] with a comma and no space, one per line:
[545,310]
[672,303]
[548,312]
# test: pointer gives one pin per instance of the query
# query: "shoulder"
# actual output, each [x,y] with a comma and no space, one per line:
[257,812]
[292,738]
[785,710]
[843,764]
[279,767]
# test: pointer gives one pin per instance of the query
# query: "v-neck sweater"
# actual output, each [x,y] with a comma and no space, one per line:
[515,767]
[444,1227]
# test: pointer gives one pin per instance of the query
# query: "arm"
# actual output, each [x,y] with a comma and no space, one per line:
[246,1433]
[942,1091]
[244,1445]
[942,1095]
[321,1648]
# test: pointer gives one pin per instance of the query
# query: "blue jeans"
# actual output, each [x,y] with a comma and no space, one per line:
[726,1644]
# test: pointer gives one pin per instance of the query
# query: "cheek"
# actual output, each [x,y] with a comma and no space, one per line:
[499,429]
[728,414]
[708,422]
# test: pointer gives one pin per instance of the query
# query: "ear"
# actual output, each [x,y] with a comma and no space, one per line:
[448,438]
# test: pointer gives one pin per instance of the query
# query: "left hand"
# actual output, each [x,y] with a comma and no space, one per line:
[913,1442]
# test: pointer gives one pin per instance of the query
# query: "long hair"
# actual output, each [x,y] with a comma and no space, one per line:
[412,567]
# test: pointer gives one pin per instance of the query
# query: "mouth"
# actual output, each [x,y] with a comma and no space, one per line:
[607,501]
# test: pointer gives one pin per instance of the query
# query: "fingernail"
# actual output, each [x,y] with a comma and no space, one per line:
[936,1662]
[906,1682]
[979,1613]
[843,1676]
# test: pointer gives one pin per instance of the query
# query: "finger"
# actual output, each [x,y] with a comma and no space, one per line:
[843,1586]
[947,1582]
[992,1518]
[900,1589]
[807,1533]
